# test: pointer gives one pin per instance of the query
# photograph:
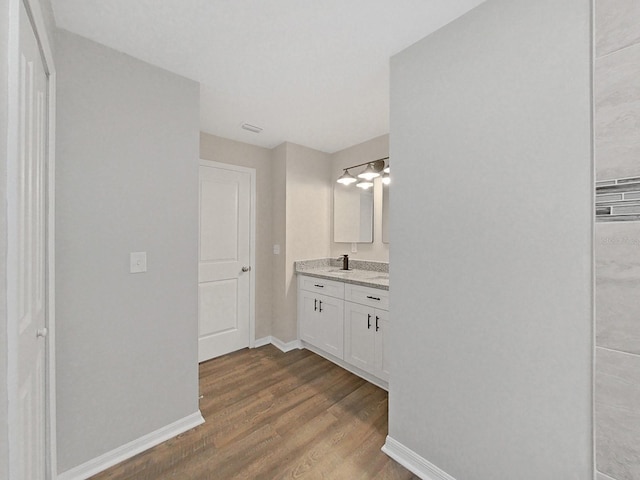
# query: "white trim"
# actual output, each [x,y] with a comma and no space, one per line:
[37,20]
[252,238]
[261,342]
[286,347]
[51,289]
[592,160]
[252,260]
[413,462]
[128,450]
[276,342]
[12,216]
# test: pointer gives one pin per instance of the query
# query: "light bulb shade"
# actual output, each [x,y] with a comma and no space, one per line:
[369,173]
[386,179]
[364,184]
[386,169]
[346,178]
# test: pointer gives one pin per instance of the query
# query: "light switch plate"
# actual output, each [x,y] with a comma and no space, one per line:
[138,262]
[276,249]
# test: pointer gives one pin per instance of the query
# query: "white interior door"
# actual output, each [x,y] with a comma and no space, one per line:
[31,251]
[224,269]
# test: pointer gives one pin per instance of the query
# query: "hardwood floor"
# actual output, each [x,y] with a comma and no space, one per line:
[271,415]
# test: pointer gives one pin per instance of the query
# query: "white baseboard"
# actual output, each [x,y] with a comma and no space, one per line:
[413,462]
[285,347]
[109,459]
[261,342]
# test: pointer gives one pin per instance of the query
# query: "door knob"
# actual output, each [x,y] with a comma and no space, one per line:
[246,269]
[41,332]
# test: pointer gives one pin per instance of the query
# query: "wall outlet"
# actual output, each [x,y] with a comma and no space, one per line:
[137,262]
[354,248]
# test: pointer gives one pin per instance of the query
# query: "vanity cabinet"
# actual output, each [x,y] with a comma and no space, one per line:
[321,314]
[347,324]
[364,330]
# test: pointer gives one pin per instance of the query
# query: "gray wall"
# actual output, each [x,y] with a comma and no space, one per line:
[302,213]
[126,181]
[308,223]
[279,203]
[4,398]
[617,248]
[491,261]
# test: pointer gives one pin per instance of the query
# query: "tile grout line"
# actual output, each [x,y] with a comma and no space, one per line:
[607,477]
[618,351]
[617,51]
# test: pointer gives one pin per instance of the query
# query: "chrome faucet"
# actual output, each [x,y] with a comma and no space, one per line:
[345,261]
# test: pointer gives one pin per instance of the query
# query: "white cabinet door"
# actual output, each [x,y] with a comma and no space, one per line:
[381,345]
[321,322]
[364,337]
[359,333]
[307,313]
[331,325]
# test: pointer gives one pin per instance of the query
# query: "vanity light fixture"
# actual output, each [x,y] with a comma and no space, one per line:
[369,173]
[346,178]
[364,184]
[372,170]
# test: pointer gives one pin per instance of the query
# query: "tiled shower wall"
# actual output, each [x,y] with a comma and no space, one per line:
[617,248]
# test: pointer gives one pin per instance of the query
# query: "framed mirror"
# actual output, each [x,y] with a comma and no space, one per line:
[352,214]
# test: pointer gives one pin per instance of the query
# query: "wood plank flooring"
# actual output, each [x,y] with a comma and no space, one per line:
[271,415]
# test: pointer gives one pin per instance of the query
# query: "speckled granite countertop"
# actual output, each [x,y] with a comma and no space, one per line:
[368,274]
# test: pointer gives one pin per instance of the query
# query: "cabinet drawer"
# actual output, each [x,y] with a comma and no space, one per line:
[322,286]
[373,297]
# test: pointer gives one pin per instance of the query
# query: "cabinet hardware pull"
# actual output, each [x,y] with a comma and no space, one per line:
[377,327]
[319,286]
[368,321]
[373,298]
[320,302]
[315,304]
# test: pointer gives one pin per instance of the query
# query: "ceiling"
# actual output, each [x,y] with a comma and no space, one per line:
[312,72]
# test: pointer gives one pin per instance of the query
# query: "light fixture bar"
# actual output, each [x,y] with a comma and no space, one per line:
[374,163]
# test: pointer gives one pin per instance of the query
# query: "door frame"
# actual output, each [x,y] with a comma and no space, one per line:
[252,236]
[39,26]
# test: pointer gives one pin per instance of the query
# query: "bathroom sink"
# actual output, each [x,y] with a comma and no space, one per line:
[339,271]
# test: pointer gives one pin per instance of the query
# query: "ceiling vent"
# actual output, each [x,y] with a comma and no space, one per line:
[251,128]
